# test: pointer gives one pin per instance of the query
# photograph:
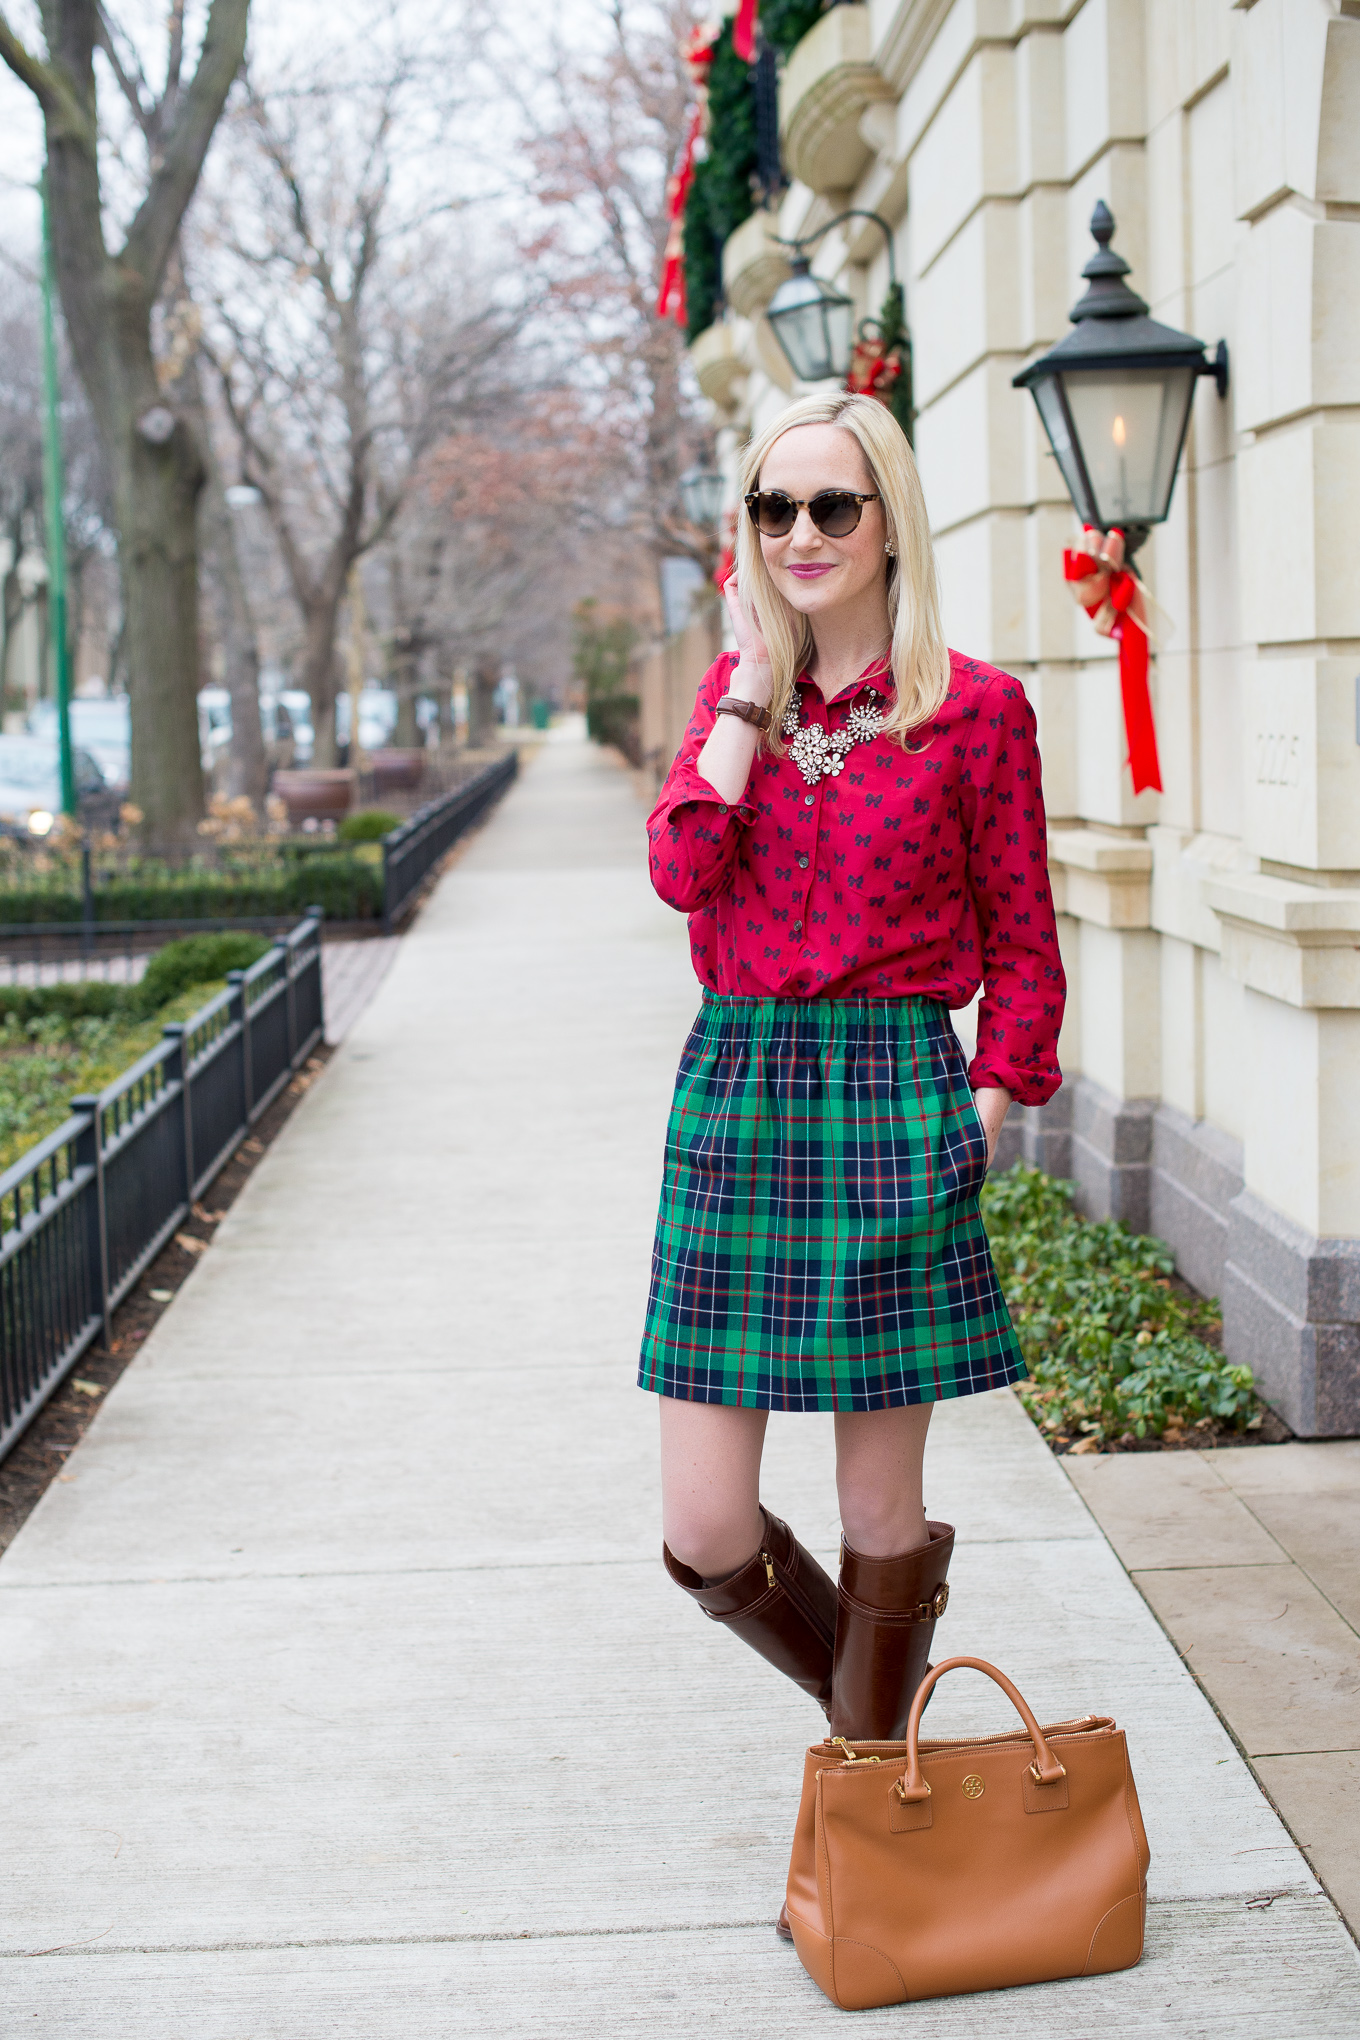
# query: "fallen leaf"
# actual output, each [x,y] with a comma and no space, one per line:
[160,1295]
[88,1387]
[190,1244]
[1086,1445]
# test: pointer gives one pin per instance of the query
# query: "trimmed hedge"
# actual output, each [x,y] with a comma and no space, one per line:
[1115,1352]
[370,825]
[93,1001]
[345,886]
[194,960]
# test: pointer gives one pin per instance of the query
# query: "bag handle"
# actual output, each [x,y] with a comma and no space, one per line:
[1045,1769]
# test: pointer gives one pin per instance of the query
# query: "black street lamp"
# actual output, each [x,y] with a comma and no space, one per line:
[814,322]
[701,492]
[1115,398]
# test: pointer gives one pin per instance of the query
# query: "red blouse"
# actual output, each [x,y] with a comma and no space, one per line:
[912,873]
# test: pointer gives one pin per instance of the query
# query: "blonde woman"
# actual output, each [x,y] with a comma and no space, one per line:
[855,827]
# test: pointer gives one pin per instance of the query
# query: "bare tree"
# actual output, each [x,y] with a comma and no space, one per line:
[108,295]
[344,348]
[603,120]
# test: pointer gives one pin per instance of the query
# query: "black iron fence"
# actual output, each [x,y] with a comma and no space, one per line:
[86,1210]
[412,850]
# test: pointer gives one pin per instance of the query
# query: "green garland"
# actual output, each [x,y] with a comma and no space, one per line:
[721,195]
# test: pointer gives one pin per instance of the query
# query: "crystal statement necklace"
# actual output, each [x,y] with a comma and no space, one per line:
[819,753]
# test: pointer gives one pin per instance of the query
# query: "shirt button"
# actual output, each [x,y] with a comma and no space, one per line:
[797,927]
[807,800]
[802,864]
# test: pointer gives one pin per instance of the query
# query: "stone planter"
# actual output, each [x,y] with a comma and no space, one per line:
[311,793]
[397,771]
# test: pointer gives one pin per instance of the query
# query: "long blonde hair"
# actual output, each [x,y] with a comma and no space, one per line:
[918,655]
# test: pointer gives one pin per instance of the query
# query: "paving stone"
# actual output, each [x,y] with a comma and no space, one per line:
[1169,1509]
[1307,1495]
[1278,1659]
[1319,1796]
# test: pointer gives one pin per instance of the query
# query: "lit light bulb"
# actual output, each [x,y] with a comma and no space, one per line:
[40,822]
[1119,431]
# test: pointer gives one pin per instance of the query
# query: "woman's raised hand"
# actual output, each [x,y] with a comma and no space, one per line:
[754,670]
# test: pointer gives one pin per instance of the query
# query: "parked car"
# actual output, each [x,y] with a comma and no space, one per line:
[30,785]
[377,717]
[285,718]
[103,727]
[214,724]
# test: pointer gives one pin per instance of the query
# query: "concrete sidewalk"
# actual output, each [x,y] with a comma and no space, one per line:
[343,1691]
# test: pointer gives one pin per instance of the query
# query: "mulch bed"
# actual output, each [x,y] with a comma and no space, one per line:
[1204,1436]
[40,1455]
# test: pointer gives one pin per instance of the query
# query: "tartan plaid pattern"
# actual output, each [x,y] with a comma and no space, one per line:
[819,1244]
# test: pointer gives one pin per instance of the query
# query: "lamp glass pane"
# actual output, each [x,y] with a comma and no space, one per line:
[1130,423]
[1049,401]
[701,491]
[840,338]
[814,325]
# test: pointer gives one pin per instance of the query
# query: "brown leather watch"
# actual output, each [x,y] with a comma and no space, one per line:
[749,711]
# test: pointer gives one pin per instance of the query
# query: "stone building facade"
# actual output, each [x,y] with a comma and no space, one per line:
[1211,933]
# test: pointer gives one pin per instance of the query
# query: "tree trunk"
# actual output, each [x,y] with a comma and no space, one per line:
[156,492]
[247,766]
[319,620]
[482,724]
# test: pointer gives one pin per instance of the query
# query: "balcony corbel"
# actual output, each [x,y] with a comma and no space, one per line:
[719,363]
[829,82]
[754,264]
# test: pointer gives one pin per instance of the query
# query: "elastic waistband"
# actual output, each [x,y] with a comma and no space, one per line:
[822,1019]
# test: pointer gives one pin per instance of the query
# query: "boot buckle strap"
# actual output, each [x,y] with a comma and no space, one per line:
[922,1611]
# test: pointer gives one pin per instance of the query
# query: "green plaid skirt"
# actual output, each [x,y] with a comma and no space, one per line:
[819,1244]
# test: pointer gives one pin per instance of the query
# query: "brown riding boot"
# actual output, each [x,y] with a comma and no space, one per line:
[780,1602]
[887,1609]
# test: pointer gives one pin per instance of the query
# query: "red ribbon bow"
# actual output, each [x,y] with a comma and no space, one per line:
[744,30]
[873,371]
[1112,596]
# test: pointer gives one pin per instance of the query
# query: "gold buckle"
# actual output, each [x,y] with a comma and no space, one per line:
[941,1599]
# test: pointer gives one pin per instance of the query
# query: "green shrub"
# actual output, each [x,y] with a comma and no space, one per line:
[1112,1348]
[44,1062]
[195,960]
[92,1001]
[349,889]
[370,825]
[345,888]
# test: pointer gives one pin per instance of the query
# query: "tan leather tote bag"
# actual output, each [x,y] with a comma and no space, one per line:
[926,1869]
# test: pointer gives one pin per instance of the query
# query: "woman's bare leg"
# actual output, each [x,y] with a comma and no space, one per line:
[710,1484]
[878,1478]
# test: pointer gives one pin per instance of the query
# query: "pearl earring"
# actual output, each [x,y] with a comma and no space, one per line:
[891,550]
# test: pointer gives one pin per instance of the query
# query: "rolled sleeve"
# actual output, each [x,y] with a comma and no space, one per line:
[1024,986]
[692,833]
